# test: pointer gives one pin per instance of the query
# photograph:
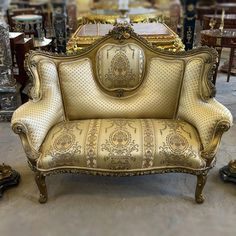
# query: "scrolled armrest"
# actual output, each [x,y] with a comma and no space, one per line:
[33,120]
[211,119]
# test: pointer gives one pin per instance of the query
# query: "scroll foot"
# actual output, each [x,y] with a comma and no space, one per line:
[201,181]
[40,180]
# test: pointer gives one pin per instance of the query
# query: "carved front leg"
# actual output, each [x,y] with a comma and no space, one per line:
[201,181]
[40,180]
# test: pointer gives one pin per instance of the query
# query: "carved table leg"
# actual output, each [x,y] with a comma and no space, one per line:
[201,181]
[40,180]
[231,58]
[219,50]
[225,67]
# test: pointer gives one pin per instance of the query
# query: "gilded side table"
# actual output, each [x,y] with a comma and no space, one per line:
[109,16]
[159,34]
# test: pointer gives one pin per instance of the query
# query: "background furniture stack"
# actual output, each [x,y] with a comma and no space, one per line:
[60,24]
[20,46]
[210,16]
[9,89]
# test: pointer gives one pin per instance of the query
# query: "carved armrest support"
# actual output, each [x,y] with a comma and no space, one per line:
[209,153]
[31,154]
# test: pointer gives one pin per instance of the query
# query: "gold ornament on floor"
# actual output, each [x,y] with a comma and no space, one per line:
[228,173]
[5,171]
[8,178]
[232,166]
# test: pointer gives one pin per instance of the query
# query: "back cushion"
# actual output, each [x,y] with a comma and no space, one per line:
[156,96]
[120,67]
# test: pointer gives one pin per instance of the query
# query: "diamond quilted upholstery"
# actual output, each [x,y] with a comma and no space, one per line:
[156,98]
[39,117]
[203,115]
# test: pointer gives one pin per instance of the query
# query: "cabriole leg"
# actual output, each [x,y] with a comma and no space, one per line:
[201,181]
[40,180]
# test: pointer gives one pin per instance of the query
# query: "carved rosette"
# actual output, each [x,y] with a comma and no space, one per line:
[122,31]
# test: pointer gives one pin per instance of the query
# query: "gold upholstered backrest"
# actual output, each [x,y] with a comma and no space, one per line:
[122,76]
[87,95]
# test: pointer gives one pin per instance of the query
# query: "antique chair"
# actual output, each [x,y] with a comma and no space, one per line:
[122,107]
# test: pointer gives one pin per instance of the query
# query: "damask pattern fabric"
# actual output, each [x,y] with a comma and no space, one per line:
[120,66]
[204,115]
[83,98]
[121,144]
[38,117]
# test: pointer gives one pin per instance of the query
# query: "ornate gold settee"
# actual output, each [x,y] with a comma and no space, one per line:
[121,107]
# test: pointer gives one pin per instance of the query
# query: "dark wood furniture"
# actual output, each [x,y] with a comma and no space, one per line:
[202,10]
[19,47]
[229,7]
[229,21]
[217,39]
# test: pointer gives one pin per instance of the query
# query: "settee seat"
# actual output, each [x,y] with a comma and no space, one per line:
[121,144]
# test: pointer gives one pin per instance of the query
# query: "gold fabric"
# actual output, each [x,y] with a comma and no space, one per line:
[157,97]
[120,66]
[121,144]
[38,117]
[204,115]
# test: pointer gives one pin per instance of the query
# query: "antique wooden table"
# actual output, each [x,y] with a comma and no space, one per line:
[204,10]
[214,21]
[230,8]
[229,21]
[158,34]
[217,39]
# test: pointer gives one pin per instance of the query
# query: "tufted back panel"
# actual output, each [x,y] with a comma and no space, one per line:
[155,96]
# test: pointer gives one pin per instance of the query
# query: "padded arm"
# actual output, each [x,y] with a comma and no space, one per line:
[33,120]
[210,118]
